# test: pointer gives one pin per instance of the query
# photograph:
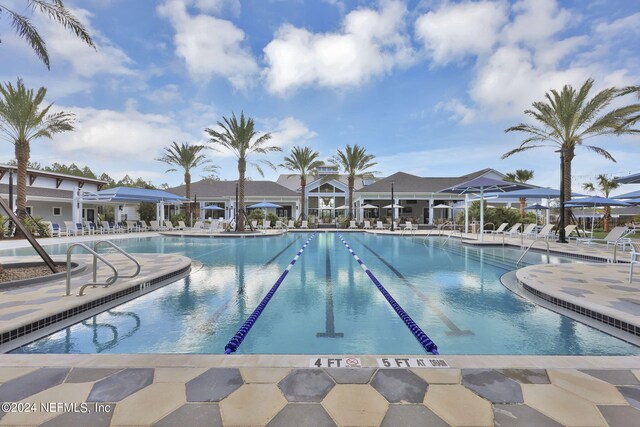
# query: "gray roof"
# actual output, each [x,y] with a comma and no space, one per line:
[211,189]
[407,183]
[55,175]
[292,182]
[39,192]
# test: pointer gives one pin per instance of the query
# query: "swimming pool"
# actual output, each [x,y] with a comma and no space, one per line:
[328,305]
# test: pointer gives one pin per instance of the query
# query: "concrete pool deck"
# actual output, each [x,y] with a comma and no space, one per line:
[162,389]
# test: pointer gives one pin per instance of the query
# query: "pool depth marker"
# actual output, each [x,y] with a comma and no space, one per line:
[237,339]
[424,340]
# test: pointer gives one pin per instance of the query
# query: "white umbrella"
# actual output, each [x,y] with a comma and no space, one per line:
[368,206]
[442,206]
[393,206]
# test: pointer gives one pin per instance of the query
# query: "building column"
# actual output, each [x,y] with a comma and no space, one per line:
[75,204]
[431,202]
[466,213]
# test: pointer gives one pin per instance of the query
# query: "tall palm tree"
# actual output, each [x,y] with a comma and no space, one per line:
[634,118]
[354,161]
[521,176]
[240,137]
[22,120]
[302,160]
[605,185]
[567,119]
[186,157]
[54,10]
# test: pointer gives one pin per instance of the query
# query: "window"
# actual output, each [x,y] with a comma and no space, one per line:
[411,202]
[407,210]
[29,209]
[57,211]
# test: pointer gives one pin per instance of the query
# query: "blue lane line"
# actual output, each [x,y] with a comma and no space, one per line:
[422,338]
[237,339]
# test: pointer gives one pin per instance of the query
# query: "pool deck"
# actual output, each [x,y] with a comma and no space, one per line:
[283,390]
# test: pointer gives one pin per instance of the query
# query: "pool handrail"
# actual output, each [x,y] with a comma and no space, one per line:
[529,247]
[119,249]
[107,282]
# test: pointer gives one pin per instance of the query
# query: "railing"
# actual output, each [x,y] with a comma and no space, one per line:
[95,260]
[529,247]
[449,236]
[107,282]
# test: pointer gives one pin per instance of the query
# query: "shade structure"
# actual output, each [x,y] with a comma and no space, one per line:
[368,206]
[595,202]
[630,179]
[482,184]
[133,194]
[213,208]
[394,206]
[264,205]
[339,208]
[632,195]
[538,193]
[536,207]
[442,206]
[634,201]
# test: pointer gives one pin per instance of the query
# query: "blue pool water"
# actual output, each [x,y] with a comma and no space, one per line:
[328,305]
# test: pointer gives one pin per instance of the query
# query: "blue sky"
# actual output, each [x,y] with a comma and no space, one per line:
[426,86]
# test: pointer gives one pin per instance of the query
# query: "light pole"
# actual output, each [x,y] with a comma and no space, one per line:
[393,210]
[561,231]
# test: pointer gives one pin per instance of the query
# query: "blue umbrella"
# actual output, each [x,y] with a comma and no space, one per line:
[632,195]
[213,208]
[264,205]
[533,193]
[631,179]
[594,202]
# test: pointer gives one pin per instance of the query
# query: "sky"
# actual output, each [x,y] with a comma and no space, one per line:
[428,86]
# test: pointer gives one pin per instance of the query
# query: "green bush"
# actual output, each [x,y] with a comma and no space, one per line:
[272,217]
[147,211]
[256,214]
[495,215]
[36,227]
[4,229]
[178,217]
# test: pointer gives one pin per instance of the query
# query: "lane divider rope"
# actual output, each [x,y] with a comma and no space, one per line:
[237,339]
[422,338]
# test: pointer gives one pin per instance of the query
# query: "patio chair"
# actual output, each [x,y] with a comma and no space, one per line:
[132,226]
[198,226]
[352,225]
[181,225]
[635,258]
[107,228]
[266,225]
[514,229]
[569,229]
[367,225]
[56,231]
[168,225]
[500,230]
[154,225]
[279,225]
[143,226]
[617,236]
[254,225]
[304,224]
[71,228]
[408,226]
[529,230]
[379,225]
[546,232]
[291,224]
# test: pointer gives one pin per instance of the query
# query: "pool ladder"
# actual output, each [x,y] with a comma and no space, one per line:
[529,247]
[96,256]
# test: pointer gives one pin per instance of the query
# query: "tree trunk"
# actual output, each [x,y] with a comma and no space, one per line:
[607,217]
[242,169]
[303,205]
[351,185]
[568,158]
[523,201]
[187,184]
[22,156]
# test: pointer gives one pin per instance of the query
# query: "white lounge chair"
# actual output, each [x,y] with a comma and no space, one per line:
[352,225]
[181,225]
[500,230]
[528,230]
[635,258]
[367,225]
[379,225]
[514,229]
[155,225]
[266,225]
[291,224]
[107,228]
[304,224]
[615,237]
[546,232]
[408,226]
[168,225]
[198,226]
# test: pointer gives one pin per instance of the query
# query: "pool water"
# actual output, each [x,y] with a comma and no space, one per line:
[328,305]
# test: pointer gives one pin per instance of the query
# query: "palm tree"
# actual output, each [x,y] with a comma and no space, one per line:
[56,11]
[605,185]
[240,139]
[354,161]
[186,157]
[567,119]
[635,118]
[521,176]
[302,160]
[23,121]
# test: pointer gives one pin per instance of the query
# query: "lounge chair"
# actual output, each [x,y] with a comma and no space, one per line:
[181,225]
[198,226]
[379,225]
[143,226]
[266,225]
[546,232]
[279,225]
[615,237]
[352,225]
[304,224]
[408,226]
[154,225]
[367,225]
[635,258]
[107,228]
[500,230]
[72,228]
[56,231]
[168,225]
[291,224]
[254,225]
[514,229]
[132,226]
[528,230]
[569,229]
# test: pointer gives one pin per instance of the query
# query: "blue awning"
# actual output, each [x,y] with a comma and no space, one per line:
[134,195]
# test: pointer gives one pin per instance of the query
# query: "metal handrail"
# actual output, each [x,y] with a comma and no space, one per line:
[95,260]
[487,223]
[108,282]
[452,233]
[615,245]
[529,247]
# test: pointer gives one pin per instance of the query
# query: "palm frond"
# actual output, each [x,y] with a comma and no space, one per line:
[25,30]
[58,12]
[604,153]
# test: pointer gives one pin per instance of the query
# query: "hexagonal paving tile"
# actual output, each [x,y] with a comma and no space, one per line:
[351,376]
[301,414]
[121,384]
[492,385]
[399,385]
[620,416]
[89,419]
[252,404]
[87,375]
[306,385]
[631,395]
[521,415]
[32,383]
[355,405]
[459,406]
[149,404]
[411,416]
[586,386]
[213,385]
[613,376]
[558,404]
[527,376]
[439,376]
[193,415]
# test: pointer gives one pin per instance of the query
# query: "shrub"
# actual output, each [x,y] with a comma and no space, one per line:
[178,217]
[147,211]
[36,227]
[272,217]
[256,214]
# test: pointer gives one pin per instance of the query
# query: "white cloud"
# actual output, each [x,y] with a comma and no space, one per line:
[291,131]
[536,21]
[210,46]
[622,26]
[457,30]
[217,6]
[165,95]
[370,44]
[461,112]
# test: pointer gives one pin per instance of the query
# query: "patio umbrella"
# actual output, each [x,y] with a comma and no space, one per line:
[394,206]
[368,206]
[631,179]
[481,185]
[442,206]
[537,207]
[339,208]
[632,195]
[595,202]
[264,205]
[213,208]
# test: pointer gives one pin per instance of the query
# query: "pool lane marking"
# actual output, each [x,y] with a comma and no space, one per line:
[215,316]
[237,339]
[454,330]
[330,326]
[418,333]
